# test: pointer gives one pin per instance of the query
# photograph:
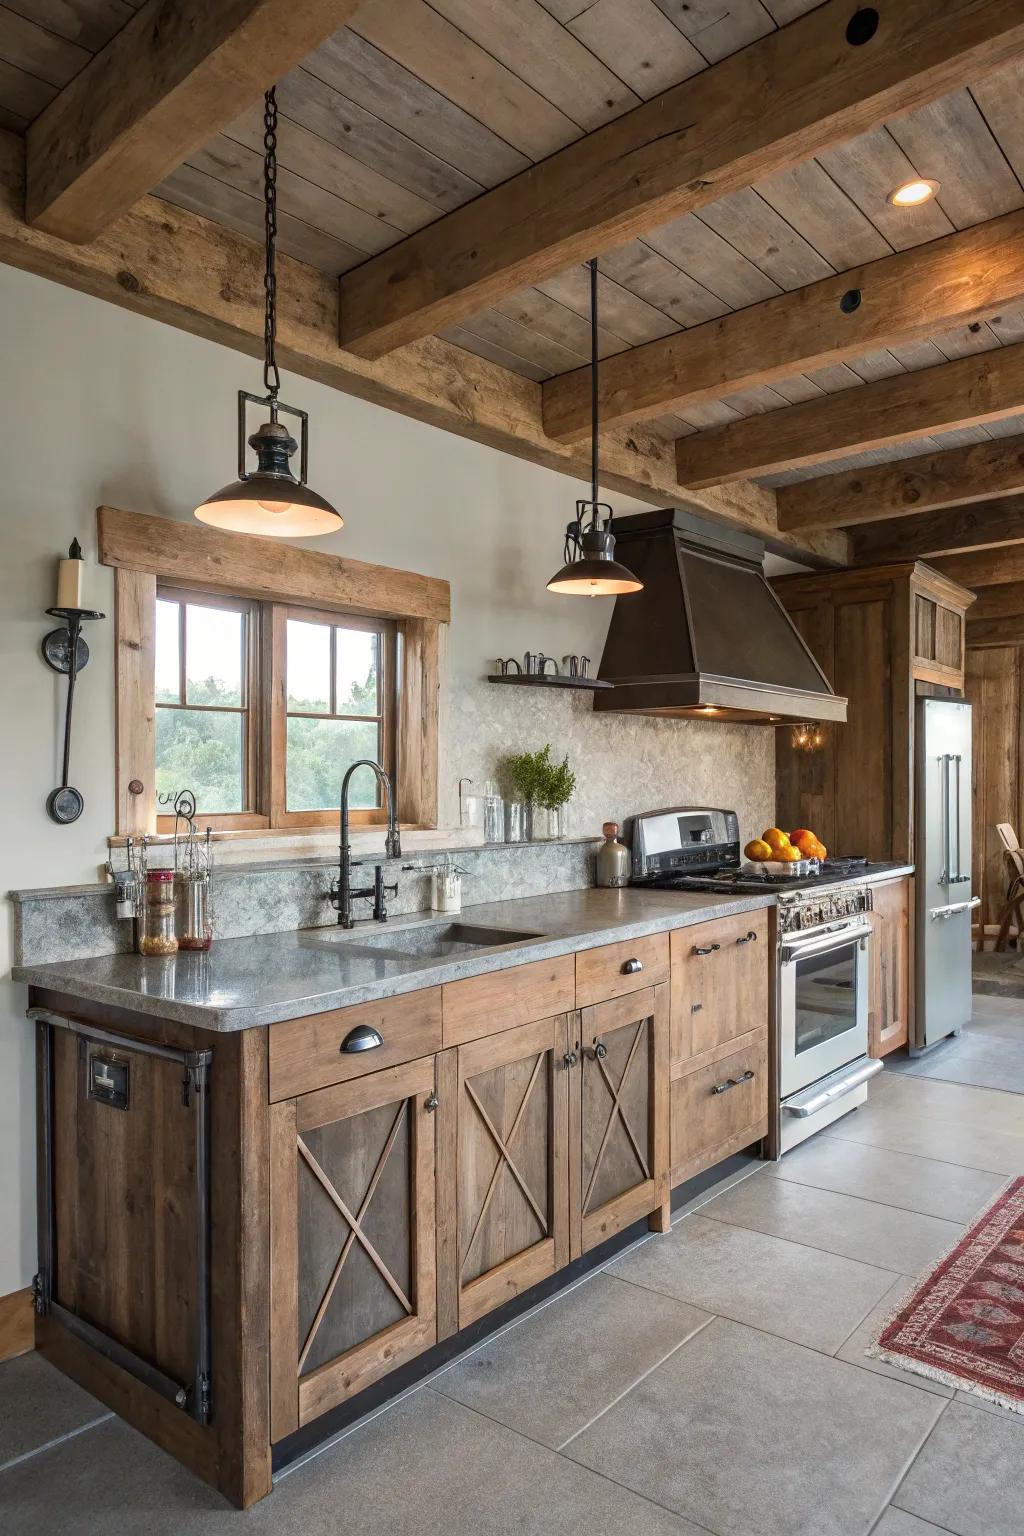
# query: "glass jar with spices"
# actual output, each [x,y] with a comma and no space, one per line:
[156,920]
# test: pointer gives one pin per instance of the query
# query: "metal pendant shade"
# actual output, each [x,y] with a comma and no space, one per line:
[270,500]
[591,569]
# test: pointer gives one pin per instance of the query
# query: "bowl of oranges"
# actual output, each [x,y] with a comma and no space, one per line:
[785,853]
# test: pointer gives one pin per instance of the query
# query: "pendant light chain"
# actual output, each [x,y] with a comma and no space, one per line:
[593,384]
[271,376]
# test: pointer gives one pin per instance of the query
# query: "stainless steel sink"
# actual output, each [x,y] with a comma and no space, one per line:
[423,941]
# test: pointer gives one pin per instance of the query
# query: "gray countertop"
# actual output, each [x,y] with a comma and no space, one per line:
[243,983]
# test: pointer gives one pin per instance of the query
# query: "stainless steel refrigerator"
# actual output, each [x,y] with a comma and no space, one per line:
[943,870]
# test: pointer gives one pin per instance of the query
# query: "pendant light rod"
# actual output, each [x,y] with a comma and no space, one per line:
[271,373]
[593,383]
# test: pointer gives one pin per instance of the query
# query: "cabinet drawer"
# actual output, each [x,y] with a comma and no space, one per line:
[718,1103]
[483,1005]
[305,1054]
[719,982]
[617,969]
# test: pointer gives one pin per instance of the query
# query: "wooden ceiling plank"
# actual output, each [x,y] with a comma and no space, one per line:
[558,323]
[716,29]
[321,109]
[905,295]
[425,42]
[528,41]
[809,200]
[723,270]
[194,274]
[950,141]
[999,96]
[992,634]
[771,105]
[991,567]
[867,168]
[758,233]
[969,391]
[355,68]
[1000,602]
[176,74]
[646,273]
[24,94]
[28,46]
[637,41]
[948,531]
[622,312]
[482,347]
[90,23]
[958,476]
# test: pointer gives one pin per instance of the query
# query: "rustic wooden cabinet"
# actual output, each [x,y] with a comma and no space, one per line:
[881,636]
[619,1146]
[889,994]
[352,1270]
[502,1173]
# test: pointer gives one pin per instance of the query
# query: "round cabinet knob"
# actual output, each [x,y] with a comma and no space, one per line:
[432,1103]
[632,967]
[600,1050]
[362,1038]
[570,1058]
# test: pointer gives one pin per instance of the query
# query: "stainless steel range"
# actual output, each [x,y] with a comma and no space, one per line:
[822,971]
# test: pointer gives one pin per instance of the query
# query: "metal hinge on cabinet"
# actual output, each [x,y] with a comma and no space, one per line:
[202,1399]
[40,1295]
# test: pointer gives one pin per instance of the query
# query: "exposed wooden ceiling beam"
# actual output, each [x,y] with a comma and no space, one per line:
[984,567]
[991,634]
[176,74]
[201,277]
[979,388]
[994,467]
[951,530]
[770,106]
[998,602]
[964,277]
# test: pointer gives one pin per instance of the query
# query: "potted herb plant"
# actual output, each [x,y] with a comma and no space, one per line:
[545,787]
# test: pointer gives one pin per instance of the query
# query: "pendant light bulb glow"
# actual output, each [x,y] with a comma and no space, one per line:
[591,569]
[270,500]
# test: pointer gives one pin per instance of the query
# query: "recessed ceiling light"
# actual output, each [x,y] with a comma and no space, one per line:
[913,193]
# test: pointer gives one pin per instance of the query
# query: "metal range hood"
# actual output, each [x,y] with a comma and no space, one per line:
[707,637]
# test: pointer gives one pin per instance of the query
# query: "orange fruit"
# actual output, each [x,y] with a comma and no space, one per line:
[788,855]
[775,838]
[758,851]
[802,835]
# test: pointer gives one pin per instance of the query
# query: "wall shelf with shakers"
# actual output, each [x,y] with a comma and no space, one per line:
[547,680]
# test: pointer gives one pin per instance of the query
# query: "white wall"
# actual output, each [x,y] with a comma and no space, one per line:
[97,405]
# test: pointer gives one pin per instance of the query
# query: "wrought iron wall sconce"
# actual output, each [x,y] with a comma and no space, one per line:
[65,650]
[809,737]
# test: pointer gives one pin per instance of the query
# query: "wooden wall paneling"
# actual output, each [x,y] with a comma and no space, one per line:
[134,675]
[864,672]
[805,780]
[17,1323]
[949,530]
[284,1272]
[993,689]
[423,642]
[446,1131]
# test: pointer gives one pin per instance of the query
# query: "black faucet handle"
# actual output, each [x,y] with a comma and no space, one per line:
[381,893]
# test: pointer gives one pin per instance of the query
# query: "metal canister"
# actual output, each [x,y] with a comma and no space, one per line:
[613,859]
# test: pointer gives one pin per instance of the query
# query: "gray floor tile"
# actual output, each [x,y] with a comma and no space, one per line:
[972,1400]
[983,1061]
[974,1127]
[968,1476]
[38,1404]
[853,1350]
[904,1242]
[996,1026]
[553,1373]
[754,1436]
[896,1522]
[812,1297]
[426,1466]
[891,1178]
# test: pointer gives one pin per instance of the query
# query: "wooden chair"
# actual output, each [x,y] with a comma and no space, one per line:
[1014,904]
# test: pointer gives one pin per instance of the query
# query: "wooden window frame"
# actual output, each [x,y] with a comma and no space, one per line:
[208,563]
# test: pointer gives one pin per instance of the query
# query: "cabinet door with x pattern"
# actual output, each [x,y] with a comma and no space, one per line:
[619,1140]
[502,1168]
[353,1291]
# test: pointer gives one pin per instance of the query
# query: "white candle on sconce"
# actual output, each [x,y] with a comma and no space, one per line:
[69,578]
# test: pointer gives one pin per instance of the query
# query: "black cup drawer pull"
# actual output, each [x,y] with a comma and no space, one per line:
[632,967]
[707,949]
[733,1082]
[362,1038]
[748,938]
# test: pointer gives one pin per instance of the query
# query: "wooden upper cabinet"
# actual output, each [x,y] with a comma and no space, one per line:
[719,982]
[353,1290]
[889,988]
[618,1104]
[881,636]
[503,1195]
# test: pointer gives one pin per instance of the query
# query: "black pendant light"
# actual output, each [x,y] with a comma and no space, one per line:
[269,500]
[591,569]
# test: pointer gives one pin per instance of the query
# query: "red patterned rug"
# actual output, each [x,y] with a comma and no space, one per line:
[964,1324]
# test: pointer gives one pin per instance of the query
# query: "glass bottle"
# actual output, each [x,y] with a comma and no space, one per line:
[156,920]
[195,930]
[613,858]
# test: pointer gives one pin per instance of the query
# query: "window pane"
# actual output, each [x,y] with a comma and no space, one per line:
[319,752]
[357,655]
[168,660]
[309,667]
[201,750]
[213,655]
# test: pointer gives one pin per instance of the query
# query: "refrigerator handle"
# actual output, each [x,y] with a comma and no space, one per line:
[947,872]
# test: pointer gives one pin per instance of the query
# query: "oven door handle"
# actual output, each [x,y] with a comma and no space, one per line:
[796,949]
